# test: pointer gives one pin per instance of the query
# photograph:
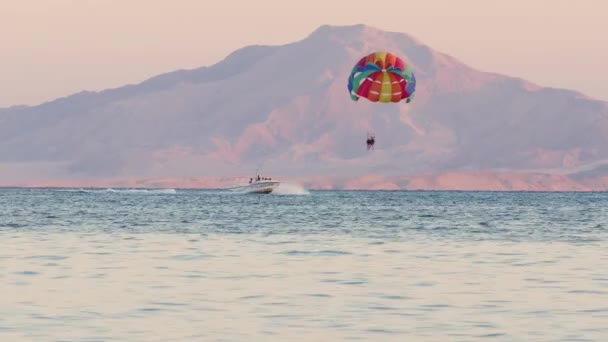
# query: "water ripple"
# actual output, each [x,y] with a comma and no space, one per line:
[190,265]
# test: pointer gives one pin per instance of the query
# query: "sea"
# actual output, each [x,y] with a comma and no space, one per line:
[302,265]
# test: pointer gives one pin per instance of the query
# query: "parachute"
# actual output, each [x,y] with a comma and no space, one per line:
[382,77]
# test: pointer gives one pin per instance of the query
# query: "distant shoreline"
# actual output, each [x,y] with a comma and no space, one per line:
[102,188]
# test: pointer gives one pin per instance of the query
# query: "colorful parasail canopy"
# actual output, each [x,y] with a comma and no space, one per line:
[382,77]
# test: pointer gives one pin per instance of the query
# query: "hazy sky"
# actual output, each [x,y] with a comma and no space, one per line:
[52,48]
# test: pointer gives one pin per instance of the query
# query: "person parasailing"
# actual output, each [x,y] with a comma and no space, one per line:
[371,140]
[381,77]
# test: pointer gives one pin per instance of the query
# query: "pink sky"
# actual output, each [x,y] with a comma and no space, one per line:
[54,48]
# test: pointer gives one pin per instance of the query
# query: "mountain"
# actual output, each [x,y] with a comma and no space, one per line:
[286,110]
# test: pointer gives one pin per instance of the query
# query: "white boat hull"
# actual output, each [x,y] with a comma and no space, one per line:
[261,187]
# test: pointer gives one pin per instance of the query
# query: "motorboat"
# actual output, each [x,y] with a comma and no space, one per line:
[257,186]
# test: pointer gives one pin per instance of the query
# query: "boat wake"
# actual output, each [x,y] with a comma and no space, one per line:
[142,191]
[121,190]
[290,189]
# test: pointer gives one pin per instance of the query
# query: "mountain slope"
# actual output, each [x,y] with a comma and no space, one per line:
[286,110]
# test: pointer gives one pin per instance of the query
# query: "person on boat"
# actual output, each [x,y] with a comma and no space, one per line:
[250,180]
